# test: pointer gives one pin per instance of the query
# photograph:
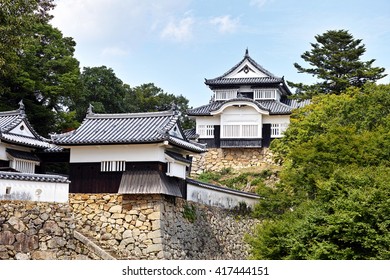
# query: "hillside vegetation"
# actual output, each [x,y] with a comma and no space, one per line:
[333,198]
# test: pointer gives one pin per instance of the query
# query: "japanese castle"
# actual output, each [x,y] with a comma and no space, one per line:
[249,107]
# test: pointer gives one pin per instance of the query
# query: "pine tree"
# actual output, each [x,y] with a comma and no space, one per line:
[335,60]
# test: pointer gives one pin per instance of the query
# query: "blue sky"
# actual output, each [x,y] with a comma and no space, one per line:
[176,44]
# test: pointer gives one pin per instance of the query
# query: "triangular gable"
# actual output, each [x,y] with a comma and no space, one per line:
[22,129]
[247,70]
[176,131]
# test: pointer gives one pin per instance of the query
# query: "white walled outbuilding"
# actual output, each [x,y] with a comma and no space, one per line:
[45,188]
[218,196]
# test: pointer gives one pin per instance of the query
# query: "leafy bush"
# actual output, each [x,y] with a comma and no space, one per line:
[348,220]
[332,201]
[209,177]
[189,212]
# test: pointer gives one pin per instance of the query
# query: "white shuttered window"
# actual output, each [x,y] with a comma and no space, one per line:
[205,131]
[240,131]
[113,166]
[277,129]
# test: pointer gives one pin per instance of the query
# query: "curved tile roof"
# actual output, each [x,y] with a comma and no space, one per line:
[191,133]
[126,129]
[240,81]
[33,177]
[120,128]
[274,107]
[149,182]
[11,119]
[253,62]
[267,80]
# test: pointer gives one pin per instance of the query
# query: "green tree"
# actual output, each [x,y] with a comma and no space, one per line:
[108,94]
[17,18]
[150,98]
[335,60]
[103,90]
[349,220]
[40,67]
[333,191]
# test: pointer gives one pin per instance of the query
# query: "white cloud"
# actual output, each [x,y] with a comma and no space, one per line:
[258,3]
[130,20]
[180,30]
[225,23]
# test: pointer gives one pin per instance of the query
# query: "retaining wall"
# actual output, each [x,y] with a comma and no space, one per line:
[159,227]
[38,230]
[216,159]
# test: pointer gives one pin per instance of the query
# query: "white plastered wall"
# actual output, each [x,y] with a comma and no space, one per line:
[130,153]
[22,129]
[35,191]
[218,198]
[276,119]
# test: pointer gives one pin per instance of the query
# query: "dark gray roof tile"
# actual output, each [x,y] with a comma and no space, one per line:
[242,81]
[274,107]
[22,155]
[11,119]
[125,129]
[219,188]
[178,157]
[33,177]
[191,133]
[149,182]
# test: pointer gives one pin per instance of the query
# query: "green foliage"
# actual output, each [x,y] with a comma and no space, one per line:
[39,64]
[150,98]
[274,201]
[189,212]
[226,177]
[108,94]
[242,209]
[335,62]
[209,177]
[226,171]
[333,198]
[348,221]
[103,90]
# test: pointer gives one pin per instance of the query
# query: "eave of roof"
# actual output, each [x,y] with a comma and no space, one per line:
[274,107]
[22,155]
[23,140]
[149,182]
[219,188]
[11,119]
[178,157]
[253,62]
[244,81]
[187,145]
[4,175]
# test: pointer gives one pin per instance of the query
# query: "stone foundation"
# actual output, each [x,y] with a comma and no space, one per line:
[215,233]
[38,231]
[216,159]
[113,226]
[128,225]
[155,227]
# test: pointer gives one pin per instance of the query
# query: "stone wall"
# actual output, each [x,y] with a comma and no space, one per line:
[130,227]
[155,227]
[38,230]
[216,159]
[211,233]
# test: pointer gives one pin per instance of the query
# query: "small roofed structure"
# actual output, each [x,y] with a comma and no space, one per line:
[20,146]
[19,142]
[250,106]
[129,153]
